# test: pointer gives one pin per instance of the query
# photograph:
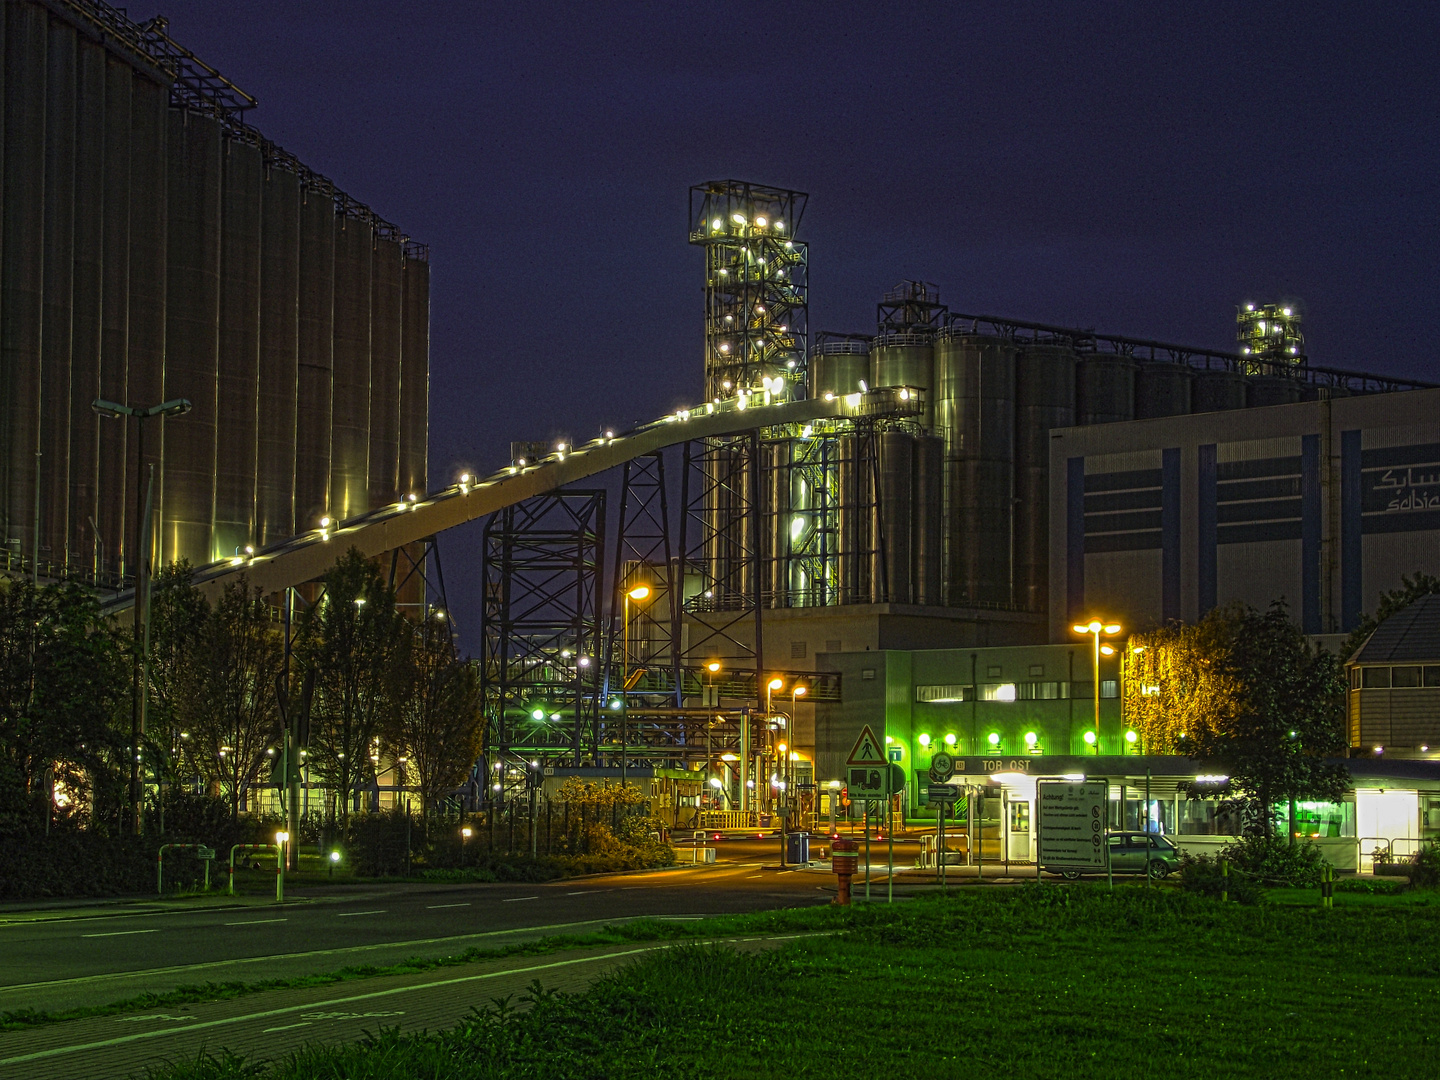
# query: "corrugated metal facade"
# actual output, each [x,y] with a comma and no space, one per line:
[153,246]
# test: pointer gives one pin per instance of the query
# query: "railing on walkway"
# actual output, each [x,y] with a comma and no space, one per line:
[729,819]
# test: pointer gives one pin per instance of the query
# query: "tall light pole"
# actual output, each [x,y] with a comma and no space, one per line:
[1094,629]
[797,691]
[637,593]
[770,688]
[175,407]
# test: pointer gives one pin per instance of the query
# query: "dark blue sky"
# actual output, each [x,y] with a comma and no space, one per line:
[1138,168]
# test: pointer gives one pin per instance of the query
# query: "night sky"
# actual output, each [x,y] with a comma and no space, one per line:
[1136,168]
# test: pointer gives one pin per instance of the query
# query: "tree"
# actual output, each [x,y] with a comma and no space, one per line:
[352,639]
[178,616]
[63,676]
[226,691]
[438,728]
[1245,693]
[1412,589]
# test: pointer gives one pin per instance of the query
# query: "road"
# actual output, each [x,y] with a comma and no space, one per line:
[58,961]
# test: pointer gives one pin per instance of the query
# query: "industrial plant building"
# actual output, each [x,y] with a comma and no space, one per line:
[156,247]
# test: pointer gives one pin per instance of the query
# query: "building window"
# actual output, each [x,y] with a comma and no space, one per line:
[998,691]
[797,650]
[838,646]
[1109,688]
[867,673]
[1405,676]
[945,692]
[993,671]
[1375,678]
[1432,676]
[1041,691]
[1037,671]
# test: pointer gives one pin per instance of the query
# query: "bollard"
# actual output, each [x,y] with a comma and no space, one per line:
[1224,880]
[844,860]
[1327,886]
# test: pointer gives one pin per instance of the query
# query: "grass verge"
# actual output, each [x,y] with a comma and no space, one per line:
[1025,982]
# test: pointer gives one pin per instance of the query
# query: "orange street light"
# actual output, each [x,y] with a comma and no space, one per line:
[1094,629]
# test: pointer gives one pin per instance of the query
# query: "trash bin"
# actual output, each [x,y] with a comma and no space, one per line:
[797,847]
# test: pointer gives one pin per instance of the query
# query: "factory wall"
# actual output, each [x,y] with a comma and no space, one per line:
[1323,504]
[151,251]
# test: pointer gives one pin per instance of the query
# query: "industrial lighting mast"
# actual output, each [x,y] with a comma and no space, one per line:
[756,287]
[1270,332]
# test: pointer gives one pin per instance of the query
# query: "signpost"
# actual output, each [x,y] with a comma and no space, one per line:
[1070,824]
[942,768]
[868,776]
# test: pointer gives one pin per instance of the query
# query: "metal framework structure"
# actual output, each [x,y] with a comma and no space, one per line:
[756,286]
[542,628]
[1270,332]
[911,307]
[416,561]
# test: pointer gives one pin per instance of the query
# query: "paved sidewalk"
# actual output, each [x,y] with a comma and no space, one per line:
[267,1026]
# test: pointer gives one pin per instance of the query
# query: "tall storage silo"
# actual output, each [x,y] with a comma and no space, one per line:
[1162,389]
[1105,389]
[279,355]
[1217,390]
[315,374]
[838,366]
[904,358]
[1263,390]
[386,301]
[777,513]
[893,542]
[350,421]
[975,415]
[192,336]
[22,275]
[115,452]
[58,259]
[152,160]
[414,375]
[928,521]
[1044,399]
[89,298]
[237,416]
[854,517]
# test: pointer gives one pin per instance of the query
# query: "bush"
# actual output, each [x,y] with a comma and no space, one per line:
[1275,862]
[1201,874]
[1369,886]
[1424,869]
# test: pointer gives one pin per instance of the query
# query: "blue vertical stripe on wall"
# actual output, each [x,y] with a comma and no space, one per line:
[1075,536]
[1207,532]
[1170,534]
[1310,534]
[1352,593]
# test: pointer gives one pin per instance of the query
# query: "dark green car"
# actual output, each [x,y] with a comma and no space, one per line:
[1138,853]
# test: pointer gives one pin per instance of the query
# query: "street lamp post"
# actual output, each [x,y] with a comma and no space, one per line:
[175,407]
[1094,629]
[637,593]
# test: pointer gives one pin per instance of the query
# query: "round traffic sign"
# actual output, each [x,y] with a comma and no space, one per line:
[942,767]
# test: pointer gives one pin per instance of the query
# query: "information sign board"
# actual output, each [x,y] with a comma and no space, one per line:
[942,792]
[942,767]
[868,781]
[1070,824]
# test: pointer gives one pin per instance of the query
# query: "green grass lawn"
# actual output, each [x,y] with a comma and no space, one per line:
[1026,982]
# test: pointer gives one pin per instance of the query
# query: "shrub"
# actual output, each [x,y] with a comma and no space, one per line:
[1201,874]
[1424,869]
[1369,886]
[1274,862]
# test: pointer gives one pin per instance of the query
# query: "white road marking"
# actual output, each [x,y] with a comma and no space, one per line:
[351,914]
[513,899]
[437,907]
[122,933]
[752,877]
[256,922]
[286,1027]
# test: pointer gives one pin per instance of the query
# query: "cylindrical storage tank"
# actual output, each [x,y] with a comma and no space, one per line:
[238,381]
[928,520]
[1316,392]
[1263,390]
[837,367]
[853,515]
[315,374]
[22,272]
[386,300]
[893,542]
[86,323]
[115,451]
[59,267]
[1105,389]
[775,460]
[414,373]
[904,359]
[1162,389]
[192,336]
[350,422]
[1217,390]
[975,415]
[1044,399]
[279,355]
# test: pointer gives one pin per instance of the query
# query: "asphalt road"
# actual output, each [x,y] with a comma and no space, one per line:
[61,960]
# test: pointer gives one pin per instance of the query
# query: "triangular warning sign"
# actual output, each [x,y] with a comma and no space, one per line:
[867,749]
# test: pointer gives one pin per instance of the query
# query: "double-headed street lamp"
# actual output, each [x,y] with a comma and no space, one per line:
[1094,629]
[141,609]
[636,593]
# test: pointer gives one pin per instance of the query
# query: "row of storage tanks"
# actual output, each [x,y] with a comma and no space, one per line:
[963,493]
[152,252]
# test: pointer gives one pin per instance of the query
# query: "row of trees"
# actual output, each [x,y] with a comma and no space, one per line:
[1245,692]
[375,687]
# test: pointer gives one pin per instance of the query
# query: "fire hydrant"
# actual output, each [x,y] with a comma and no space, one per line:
[844,858]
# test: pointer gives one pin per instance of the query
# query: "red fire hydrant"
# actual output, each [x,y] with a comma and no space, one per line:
[844,858]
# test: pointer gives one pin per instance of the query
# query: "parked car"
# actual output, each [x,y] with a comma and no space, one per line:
[1135,853]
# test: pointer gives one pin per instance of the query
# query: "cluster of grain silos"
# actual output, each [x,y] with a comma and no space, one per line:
[156,247]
